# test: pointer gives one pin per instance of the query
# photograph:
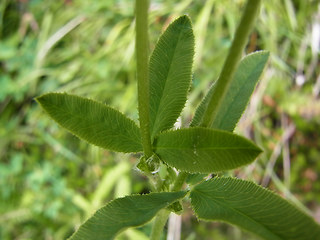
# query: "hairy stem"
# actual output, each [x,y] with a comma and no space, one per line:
[142,56]
[234,56]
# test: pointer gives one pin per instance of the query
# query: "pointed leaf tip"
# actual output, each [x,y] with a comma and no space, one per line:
[237,97]
[170,74]
[92,121]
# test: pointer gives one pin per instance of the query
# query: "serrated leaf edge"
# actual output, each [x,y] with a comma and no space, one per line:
[93,101]
[132,195]
[267,191]
[180,17]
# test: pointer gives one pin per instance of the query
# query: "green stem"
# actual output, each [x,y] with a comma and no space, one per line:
[234,56]
[179,181]
[142,56]
[159,224]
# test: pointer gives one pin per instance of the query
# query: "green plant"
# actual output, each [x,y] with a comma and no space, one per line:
[207,146]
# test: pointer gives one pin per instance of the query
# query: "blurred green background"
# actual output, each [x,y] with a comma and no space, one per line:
[50,182]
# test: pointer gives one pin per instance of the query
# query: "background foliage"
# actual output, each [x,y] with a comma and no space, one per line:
[50,181]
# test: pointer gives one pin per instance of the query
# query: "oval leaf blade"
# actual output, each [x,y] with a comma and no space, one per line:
[252,208]
[238,95]
[202,150]
[93,122]
[122,213]
[170,74]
